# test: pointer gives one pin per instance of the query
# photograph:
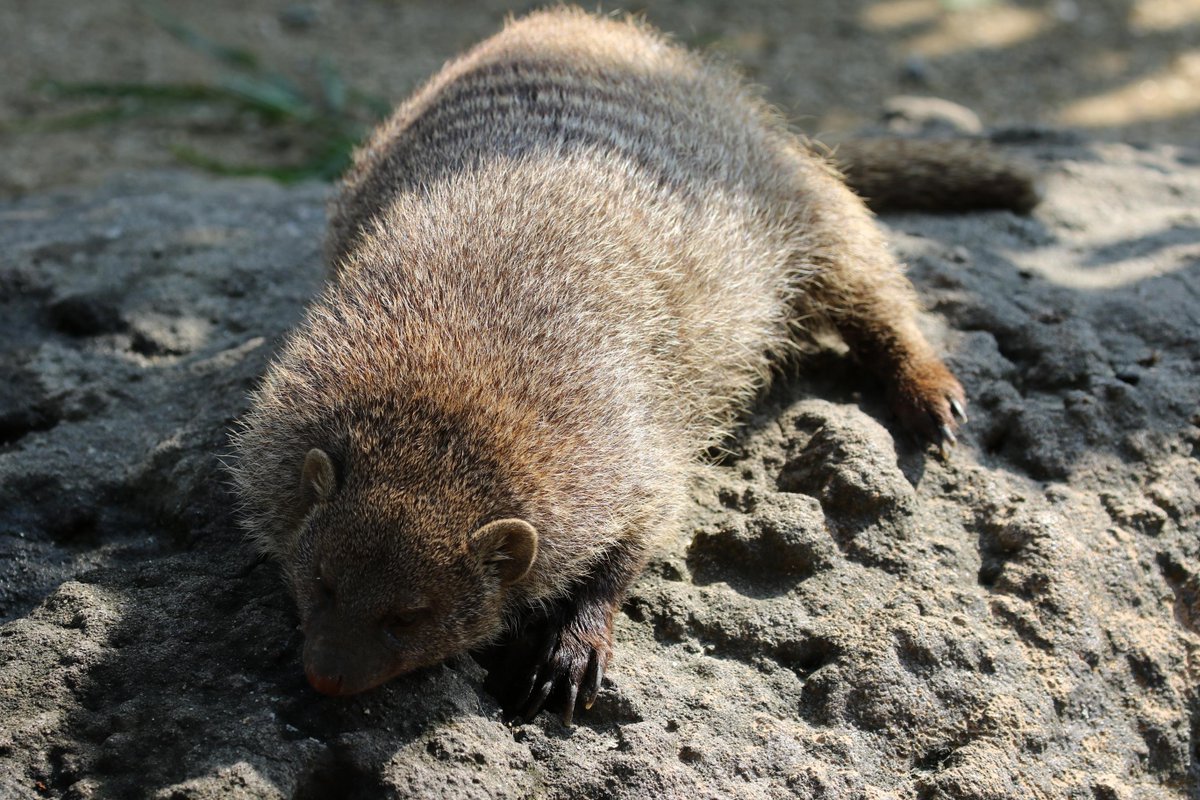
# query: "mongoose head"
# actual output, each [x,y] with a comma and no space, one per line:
[384,588]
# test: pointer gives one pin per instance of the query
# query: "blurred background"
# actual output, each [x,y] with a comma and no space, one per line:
[285,88]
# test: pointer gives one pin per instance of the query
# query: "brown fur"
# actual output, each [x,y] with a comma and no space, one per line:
[560,271]
[935,175]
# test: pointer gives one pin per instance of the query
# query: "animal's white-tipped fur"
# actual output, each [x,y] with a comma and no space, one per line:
[561,269]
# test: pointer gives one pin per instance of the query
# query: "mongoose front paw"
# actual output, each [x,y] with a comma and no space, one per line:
[567,673]
[554,664]
[930,402]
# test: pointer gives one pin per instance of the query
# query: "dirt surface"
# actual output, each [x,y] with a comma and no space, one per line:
[842,616]
[1126,69]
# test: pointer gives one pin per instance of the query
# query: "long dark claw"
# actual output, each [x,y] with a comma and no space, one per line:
[947,442]
[522,698]
[535,706]
[591,680]
[569,709]
[957,410]
[948,437]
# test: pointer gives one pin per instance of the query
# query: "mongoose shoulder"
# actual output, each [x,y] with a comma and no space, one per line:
[558,273]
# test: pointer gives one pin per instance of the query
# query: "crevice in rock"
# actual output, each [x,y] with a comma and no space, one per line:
[806,656]
[1022,627]
[1186,587]
[16,424]
[82,315]
[933,758]
[335,775]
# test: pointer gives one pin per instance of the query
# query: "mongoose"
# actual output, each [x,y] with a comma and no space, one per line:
[559,272]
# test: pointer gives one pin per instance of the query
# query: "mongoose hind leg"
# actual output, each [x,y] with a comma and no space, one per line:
[556,658]
[922,392]
[862,290]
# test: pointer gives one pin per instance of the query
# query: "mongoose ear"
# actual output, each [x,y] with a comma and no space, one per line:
[510,545]
[318,481]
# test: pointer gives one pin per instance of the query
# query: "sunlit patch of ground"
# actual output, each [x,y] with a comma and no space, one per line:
[1170,92]
[1151,16]
[950,28]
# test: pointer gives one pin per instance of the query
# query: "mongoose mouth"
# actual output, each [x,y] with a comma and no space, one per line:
[338,686]
[325,684]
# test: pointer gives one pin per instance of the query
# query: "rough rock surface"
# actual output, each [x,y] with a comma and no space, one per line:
[843,616]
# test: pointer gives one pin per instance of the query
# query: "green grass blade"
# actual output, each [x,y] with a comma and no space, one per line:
[162,92]
[232,56]
[333,88]
[69,122]
[273,98]
[328,164]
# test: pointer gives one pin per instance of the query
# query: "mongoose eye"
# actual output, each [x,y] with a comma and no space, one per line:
[326,589]
[401,622]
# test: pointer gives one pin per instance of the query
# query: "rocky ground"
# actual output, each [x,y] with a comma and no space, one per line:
[842,616]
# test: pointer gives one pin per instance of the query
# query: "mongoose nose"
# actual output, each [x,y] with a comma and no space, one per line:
[324,683]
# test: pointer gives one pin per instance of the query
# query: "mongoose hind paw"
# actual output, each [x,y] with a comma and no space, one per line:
[931,403]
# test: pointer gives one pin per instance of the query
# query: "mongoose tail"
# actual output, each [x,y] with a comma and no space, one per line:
[935,175]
